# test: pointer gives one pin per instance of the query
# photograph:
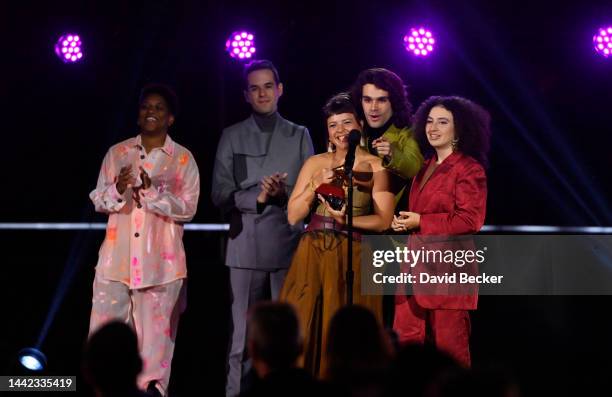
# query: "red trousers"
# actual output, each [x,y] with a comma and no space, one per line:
[449,328]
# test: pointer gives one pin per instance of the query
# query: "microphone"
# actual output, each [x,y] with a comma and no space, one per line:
[333,194]
[354,138]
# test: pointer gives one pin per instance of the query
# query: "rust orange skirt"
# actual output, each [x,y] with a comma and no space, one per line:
[316,286]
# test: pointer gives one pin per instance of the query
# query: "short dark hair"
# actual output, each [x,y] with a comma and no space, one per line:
[274,332]
[338,104]
[472,126]
[393,84]
[111,360]
[355,355]
[259,64]
[163,91]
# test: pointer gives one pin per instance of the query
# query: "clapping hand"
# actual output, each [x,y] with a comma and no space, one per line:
[125,179]
[144,177]
[146,183]
[273,186]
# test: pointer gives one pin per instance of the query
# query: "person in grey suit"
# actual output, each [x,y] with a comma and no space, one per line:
[256,166]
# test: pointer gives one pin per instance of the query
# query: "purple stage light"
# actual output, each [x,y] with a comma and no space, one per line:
[602,41]
[69,48]
[419,42]
[241,45]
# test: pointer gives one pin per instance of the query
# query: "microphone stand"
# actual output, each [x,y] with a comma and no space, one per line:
[349,264]
[354,137]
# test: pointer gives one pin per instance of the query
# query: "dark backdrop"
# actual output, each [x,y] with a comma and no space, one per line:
[530,64]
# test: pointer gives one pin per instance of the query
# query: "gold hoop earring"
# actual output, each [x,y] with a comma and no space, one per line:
[455,144]
[331,147]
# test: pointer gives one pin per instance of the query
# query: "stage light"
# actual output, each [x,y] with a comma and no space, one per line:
[602,41]
[32,359]
[69,48]
[419,42]
[241,45]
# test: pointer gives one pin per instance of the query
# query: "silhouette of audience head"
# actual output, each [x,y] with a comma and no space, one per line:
[425,369]
[274,341]
[359,352]
[111,362]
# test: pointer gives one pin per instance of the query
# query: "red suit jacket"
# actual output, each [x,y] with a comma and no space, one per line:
[451,202]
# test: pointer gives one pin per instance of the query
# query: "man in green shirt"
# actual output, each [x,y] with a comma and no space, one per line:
[382,97]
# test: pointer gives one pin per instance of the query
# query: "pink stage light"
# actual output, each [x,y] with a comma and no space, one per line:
[602,41]
[241,45]
[419,42]
[69,48]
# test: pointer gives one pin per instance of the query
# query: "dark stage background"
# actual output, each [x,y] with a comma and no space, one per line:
[530,63]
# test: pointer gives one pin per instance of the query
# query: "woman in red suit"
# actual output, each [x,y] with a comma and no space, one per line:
[447,197]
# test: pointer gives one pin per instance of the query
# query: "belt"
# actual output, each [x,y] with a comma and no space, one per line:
[323,223]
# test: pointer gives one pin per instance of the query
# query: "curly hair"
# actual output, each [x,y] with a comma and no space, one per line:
[164,91]
[471,121]
[385,79]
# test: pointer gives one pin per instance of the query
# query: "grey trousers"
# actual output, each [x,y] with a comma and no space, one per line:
[248,287]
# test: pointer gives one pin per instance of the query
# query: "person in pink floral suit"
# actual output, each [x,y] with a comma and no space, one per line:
[149,186]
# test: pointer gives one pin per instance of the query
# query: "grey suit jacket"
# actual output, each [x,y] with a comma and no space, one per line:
[262,241]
